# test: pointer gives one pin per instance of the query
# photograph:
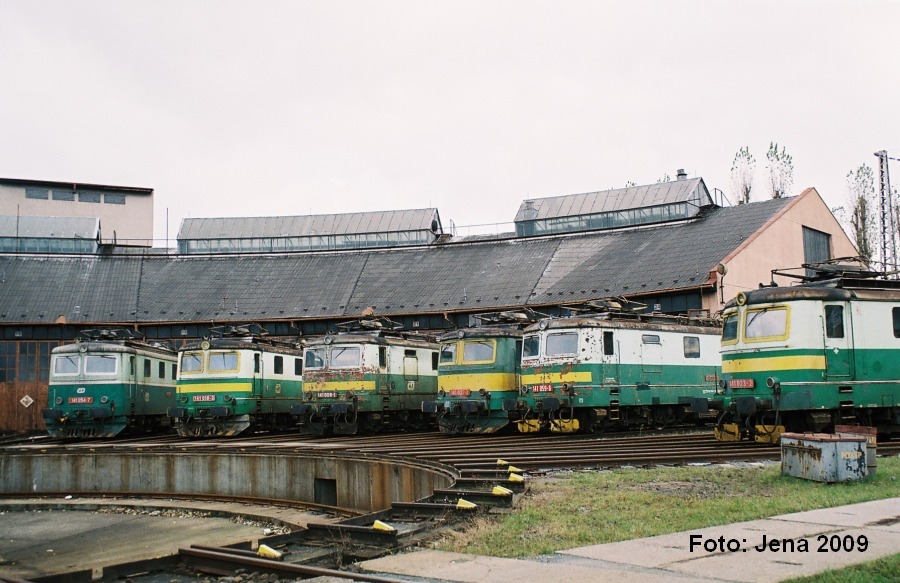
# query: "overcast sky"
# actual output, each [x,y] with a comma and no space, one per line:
[297,107]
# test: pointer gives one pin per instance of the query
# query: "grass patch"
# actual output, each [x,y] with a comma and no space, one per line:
[883,570]
[594,507]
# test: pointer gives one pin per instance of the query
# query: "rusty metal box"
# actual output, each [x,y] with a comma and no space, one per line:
[823,457]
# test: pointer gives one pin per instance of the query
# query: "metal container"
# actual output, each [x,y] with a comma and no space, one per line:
[871,434]
[823,457]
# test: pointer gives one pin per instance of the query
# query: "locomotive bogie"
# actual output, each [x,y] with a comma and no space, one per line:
[100,389]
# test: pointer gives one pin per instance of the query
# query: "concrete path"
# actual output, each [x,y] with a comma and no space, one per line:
[772,549]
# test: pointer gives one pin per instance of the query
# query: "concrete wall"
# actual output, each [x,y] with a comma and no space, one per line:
[132,222]
[362,484]
[779,245]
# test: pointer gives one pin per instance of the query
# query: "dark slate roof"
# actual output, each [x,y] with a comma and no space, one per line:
[484,275]
[618,199]
[76,186]
[50,227]
[309,225]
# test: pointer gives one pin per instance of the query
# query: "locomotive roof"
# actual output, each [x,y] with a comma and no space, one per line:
[383,340]
[126,346]
[476,333]
[247,342]
[659,323]
[769,295]
[480,276]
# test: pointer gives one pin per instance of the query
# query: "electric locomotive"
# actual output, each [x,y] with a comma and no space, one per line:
[367,381]
[234,380]
[808,357]
[617,370]
[108,381]
[477,371]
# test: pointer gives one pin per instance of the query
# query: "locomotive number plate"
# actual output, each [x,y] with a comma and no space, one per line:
[80,400]
[742,383]
[542,389]
[460,392]
[203,398]
[326,395]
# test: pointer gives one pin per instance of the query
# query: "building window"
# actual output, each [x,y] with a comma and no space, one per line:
[8,360]
[816,246]
[37,193]
[33,361]
[66,195]
[88,196]
[114,198]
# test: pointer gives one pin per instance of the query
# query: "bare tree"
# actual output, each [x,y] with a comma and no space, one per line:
[664,178]
[861,184]
[742,175]
[781,170]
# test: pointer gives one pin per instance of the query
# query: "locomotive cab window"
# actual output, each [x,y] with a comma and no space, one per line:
[100,364]
[223,361]
[650,338]
[478,351]
[191,362]
[531,347]
[565,343]
[834,321]
[345,357]
[692,347]
[766,324]
[448,354]
[64,365]
[730,328]
[315,358]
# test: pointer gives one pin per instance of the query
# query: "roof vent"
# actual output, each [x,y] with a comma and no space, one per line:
[530,212]
[681,174]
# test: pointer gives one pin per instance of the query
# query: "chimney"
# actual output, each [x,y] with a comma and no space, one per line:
[681,174]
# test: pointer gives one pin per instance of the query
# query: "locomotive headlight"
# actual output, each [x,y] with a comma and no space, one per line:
[773,383]
[441,393]
[227,398]
[481,392]
[59,400]
[183,398]
[723,384]
[104,399]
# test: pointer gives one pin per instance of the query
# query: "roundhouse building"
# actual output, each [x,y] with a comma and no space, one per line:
[665,245]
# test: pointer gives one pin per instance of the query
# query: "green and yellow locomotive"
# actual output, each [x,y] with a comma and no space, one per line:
[808,357]
[477,372]
[366,382]
[617,370]
[236,380]
[107,382]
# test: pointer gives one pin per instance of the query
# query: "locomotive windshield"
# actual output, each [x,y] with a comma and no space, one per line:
[66,365]
[345,357]
[730,328]
[100,364]
[478,351]
[531,346]
[223,361]
[562,344]
[191,362]
[315,358]
[448,353]
[766,323]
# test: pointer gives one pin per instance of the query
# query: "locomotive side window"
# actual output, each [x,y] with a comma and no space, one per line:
[478,351]
[382,357]
[730,328]
[298,367]
[223,361]
[767,323]
[191,362]
[100,364]
[434,360]
[692,347]
[256,361]
[315,358]
[896,314]
[560,344]
[448,353]
[531,347]
[650,338]
[174,371]
[834,321]
[162,370]
[345,357]
[146,368]
[69,364]
[609,346]
[279,365]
